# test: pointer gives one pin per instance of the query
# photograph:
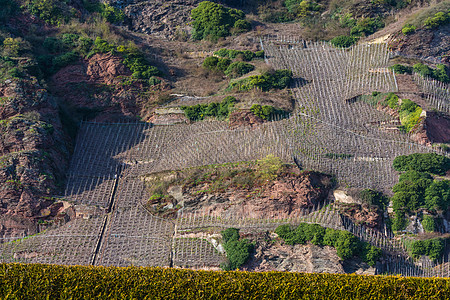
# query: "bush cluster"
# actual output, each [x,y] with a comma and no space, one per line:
[423,162]
[433,248]
[215,63]
[279,79]
[212,21]
[245,55]
[440,73]
[409,112]
[439,19]
[375,198]
[347,245]
[417,190]
[238,68]
[366,26]
[401,69]
[262,111]
[343,41]
[358,27]
[219,110]
[53,12]
[302,8]
[408,29]
[238,251]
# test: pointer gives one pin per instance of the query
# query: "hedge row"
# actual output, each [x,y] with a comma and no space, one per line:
[19,281]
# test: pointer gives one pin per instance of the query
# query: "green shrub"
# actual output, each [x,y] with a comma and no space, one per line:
[343,41]
[373,197]
[246,55]
[347,245]
[112,14]
[9,9]
[366,26]
[401,69]
[154,80]
[279,79]
[302,8]
[423,70]
[212,20]
[391,100]
[437,195]
[238,69]
[263,112]
[409,194]
[53,12]
[400,222]
[441,73]
[242,26]
[370,254]
[331,237]
[433,248]
[423,162]
[414,176]
[439,19]
[223,64]
[200,111]
[238,251]
[408,29]
[428,223]
[210,63]
[65,60]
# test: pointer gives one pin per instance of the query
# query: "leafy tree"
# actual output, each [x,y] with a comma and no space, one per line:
[331,237]
[347,245]
[50,11]
[423,162]
[223,64]
[437,195]
[401,69]
[238,251]
[422,69]
[367,26]
[408,29]
[373,197]
[214,20]
[440,18]
[263,112]
[238,69]
[370,254]
[400,222]
[210,63]
[230,234]
[413,176]
[428,223]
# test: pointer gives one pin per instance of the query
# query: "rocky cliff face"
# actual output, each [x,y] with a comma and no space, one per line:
[102,87]
[160,18]
[284,197]
[271,254]
[429,44]
[35,155]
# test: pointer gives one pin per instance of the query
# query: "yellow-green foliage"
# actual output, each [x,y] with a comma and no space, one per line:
[18,281]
